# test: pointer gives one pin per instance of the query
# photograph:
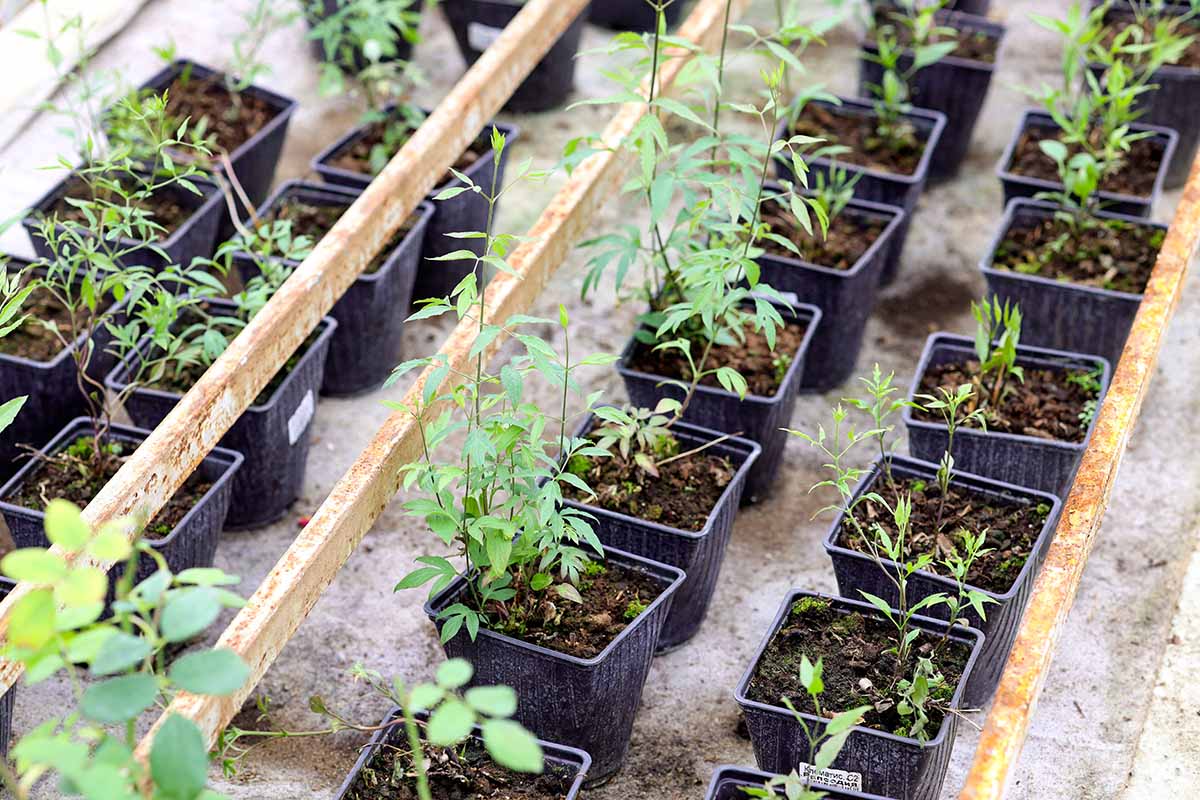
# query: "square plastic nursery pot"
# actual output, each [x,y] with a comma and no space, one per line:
[857,572]
[391,734]
[191,543]
[604,691]
[478,23]
[699,554]
[1043,464]
[466,212]
[955,86]
[370,315]
[759,419]
[887,764]
[632,15]
[1059,314]
[196,237]
[254,160]
[53,391]
[876,185]
[845,297]
[1172,101]
[730,783]
[273,436]
[1024,186]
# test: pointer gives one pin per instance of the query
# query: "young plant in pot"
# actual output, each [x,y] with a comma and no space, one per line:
[973,544]
[1077,272]
[1162,41]
[1039,404]
[948,59]
[634,15]
[388,122]
[1093,117]
[345,32]
[370,329]
[538,604]
[59,630]
[478,23]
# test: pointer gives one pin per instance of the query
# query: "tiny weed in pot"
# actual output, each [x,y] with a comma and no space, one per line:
[59,629]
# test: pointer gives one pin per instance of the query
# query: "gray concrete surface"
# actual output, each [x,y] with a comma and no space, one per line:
[1093,711]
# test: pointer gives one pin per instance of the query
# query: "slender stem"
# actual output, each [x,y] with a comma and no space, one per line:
[418,756]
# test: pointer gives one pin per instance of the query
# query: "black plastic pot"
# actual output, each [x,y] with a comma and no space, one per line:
[857,572]
[195,238]
[1023,186]
[845,297]
[254,161]
[53,392]
[466,212]
[1059,314]
[978,7]
[478,23]
[876,186]
[604,691]
[759,419]
[273,436]
[890,765]
[391,733]
[192,543]
[1042,464]
[631,15]
[729,783]
[370,315]
[355,60]
[698,553]
[957,87]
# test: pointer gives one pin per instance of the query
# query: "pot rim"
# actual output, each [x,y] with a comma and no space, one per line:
[747,776]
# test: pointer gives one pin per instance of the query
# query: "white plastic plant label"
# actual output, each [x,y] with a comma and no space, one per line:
[298,421]
[481,36]
[833,778]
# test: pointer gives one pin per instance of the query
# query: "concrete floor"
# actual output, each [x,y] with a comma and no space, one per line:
[1099,691]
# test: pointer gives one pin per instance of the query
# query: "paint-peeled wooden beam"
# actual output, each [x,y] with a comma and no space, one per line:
[1058,582]
[181,441]
[289,592]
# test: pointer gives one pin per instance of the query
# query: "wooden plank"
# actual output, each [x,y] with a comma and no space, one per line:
[289,592]
[181,441]
[1058,582]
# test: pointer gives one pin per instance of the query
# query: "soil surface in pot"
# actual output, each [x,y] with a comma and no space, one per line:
[899,153]
[682,495]
[1050,404]
[315,220]
[858,669]
[367,153]
[1118,22]
[466,773]
[68,476]
[1135,178]
[850,235]
[162,207]
[1102,253]
[972,45]
[230,119]
[34,341]
[763,368]
[1012,528]
[613,597]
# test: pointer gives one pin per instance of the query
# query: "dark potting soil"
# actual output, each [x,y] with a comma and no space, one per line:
[850,235]
[1135,178]
[613,597]
[162,207]
[67,475]
[899,154]
[972,45]
[763,368]
[682,496]
[1106,254]
[1118,21]
[857,669]
[314,221]
[1011,527]
[462,773]
[1051,404]
[355,156]
[33,340]
[231,119]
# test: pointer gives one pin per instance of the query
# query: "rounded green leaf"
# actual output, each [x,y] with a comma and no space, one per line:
[454,673]
[111,544]
[188,612]
[34,565]
[213,672]
[495,701]
[450,723]
[119,652]
[179,759]
[83,586]
[33,620]
[119,699]
[65,526]
[207,576]
[512,747]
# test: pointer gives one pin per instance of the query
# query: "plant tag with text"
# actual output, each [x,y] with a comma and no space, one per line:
[298,421]
[481,36]
[832,778]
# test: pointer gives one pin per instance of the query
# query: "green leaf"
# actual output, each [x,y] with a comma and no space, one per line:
[512,747]
[110,544]
[33,619]
[207,576]
[83,586]
[179,759]
[188,612]
[211,672]
[10,409]
[455,673]
[119,699]
[450,723]
[65,526]
[34,565]
[495,701]
[119,652]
